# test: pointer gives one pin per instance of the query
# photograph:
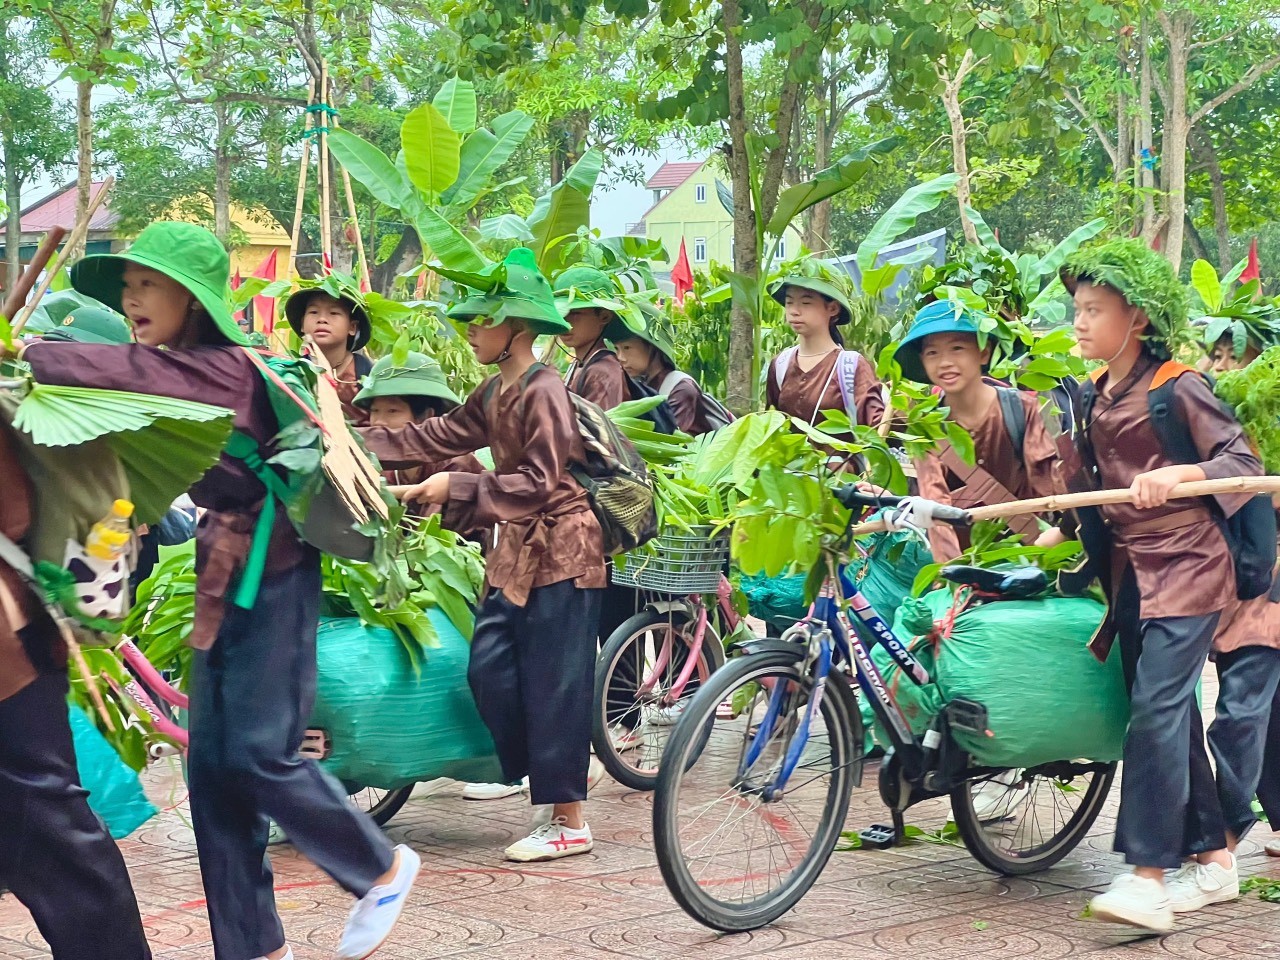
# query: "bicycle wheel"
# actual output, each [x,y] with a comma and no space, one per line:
[380,804]
[635,707]
[1030,819]
[733,855]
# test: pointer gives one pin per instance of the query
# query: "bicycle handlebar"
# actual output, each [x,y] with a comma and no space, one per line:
[853,498]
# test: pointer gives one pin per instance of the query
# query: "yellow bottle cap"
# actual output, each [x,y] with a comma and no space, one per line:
[122,509]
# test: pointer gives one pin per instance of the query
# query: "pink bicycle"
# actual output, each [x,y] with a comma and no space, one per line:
[166,706]
[653,664]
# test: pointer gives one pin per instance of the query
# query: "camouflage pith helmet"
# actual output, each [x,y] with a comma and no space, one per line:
[1144,278]
[586,287]
[418,376]
[810,273]
[68,315]
[656,332]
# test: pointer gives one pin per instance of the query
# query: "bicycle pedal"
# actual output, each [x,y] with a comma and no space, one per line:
[967,716]
[316,745]
[878,836]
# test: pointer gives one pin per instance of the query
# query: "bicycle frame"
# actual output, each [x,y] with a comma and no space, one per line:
[724,599]
[151,680]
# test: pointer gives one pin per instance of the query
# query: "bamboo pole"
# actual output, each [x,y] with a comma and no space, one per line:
[326,233]
[362,260]
[278,335]
[73,242]
[18,295]
[1070,501]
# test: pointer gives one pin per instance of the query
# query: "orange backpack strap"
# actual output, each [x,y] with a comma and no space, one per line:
[1096,375]
[1170,370]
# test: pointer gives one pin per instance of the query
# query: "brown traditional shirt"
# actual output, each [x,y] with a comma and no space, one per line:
[347,383]
[1249,623]
[1178,552]
[547,531]
[685,400]
[231,495]
[411,476]
[806,394]
[998,474]
[601,380]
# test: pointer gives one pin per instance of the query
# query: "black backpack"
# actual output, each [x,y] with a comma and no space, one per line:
[1059,408]
[661,416]
[1251,531]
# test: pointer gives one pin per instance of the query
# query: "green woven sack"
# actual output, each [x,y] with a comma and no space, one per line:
[115,793]
[1028,663]
[888,571]
[390,727]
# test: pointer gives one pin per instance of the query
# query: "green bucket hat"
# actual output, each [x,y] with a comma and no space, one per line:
[418,376]
[585,287]
[347,293]
[811,273]
[657,331]
[184,252]
[511,290]
[1144,278]
[68,315]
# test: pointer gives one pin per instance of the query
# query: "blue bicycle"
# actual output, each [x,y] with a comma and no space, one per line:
[748,810]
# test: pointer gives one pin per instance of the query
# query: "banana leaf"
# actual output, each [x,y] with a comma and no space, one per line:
[163,445]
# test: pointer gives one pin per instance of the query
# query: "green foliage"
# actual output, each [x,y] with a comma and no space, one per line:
[991,544]
[1243,314]
[1254,394]
[1268,890]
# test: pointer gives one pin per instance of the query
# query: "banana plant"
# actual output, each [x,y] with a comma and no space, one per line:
[445,166]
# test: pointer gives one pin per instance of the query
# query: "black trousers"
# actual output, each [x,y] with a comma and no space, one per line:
[1169,806]
[55,853]
[532,672]
[1245,736]
[251,696]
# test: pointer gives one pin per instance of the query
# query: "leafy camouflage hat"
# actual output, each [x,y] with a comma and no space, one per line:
[656,332]
[810,273]
[342,288]
[585,286]
[511,290]
[1144,278]
[418,376]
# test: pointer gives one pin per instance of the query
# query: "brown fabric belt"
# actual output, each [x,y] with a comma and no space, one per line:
[1173,521]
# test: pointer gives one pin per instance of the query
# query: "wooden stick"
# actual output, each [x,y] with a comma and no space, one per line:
[91,682]
[326,236]
[77,237]
[362,260]
[296,235]
[1069,501]
[18,295]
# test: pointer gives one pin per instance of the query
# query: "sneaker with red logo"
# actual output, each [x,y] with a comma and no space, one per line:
[551,841]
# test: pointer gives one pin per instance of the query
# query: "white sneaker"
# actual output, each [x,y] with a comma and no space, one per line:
[669,715]
[1000,797]
[376,913]
[624,740]
[1137,901]
[551,842]
[1198,885]
[288,955]
[490,791]
[595,773]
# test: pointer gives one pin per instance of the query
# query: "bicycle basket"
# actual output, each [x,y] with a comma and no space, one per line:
[676,563]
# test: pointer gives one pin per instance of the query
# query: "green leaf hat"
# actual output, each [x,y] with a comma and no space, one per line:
[810,273]
[1144,278]
[184,252]
[418,376]
[584,287]
[511,290]
[656,332]
[342,288]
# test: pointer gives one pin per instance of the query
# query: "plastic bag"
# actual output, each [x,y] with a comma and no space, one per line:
[389,727]
[115,793]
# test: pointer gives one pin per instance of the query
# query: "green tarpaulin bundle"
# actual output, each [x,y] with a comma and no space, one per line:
[388,726]
[1028,663]
[115,794]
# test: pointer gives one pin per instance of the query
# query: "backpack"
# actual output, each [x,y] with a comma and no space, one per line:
[1058,410]
[1251,531]
[711,410]
[336,514]
[661,416]
[614,476]
[844,372]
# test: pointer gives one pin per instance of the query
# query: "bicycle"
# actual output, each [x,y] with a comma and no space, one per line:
[656,660]
[165,705]
[747,811]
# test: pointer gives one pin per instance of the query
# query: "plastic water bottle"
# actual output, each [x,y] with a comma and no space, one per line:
[109,538]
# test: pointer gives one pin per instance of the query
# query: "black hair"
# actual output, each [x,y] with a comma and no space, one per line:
[420,406]
[835,333]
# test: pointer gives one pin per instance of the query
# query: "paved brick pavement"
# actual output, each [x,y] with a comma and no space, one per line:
[922,900]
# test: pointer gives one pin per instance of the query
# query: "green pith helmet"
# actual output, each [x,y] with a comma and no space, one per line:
[941,316]
[1144,278]
[68,315]
[811,273]
[418,376]
[510,290]
[585,287]
[657,332]
[348,294]
[184,252]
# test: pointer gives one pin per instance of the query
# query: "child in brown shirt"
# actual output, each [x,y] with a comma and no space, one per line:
[1167,571]
[588,301]
[941,348]
[533,652]
[340,328]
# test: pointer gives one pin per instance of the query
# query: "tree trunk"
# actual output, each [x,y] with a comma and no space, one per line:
[1218,194]
[13,223]
[742,323]
[959,147]
[1174,137]
[1146,136]
[818,232]
[1197,241]
[84,155]
[221,176]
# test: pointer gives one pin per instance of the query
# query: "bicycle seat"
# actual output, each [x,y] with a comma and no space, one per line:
[1020,584]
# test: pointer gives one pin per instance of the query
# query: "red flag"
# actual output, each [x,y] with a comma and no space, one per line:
[264,308]
[1254,270]
[682,274]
